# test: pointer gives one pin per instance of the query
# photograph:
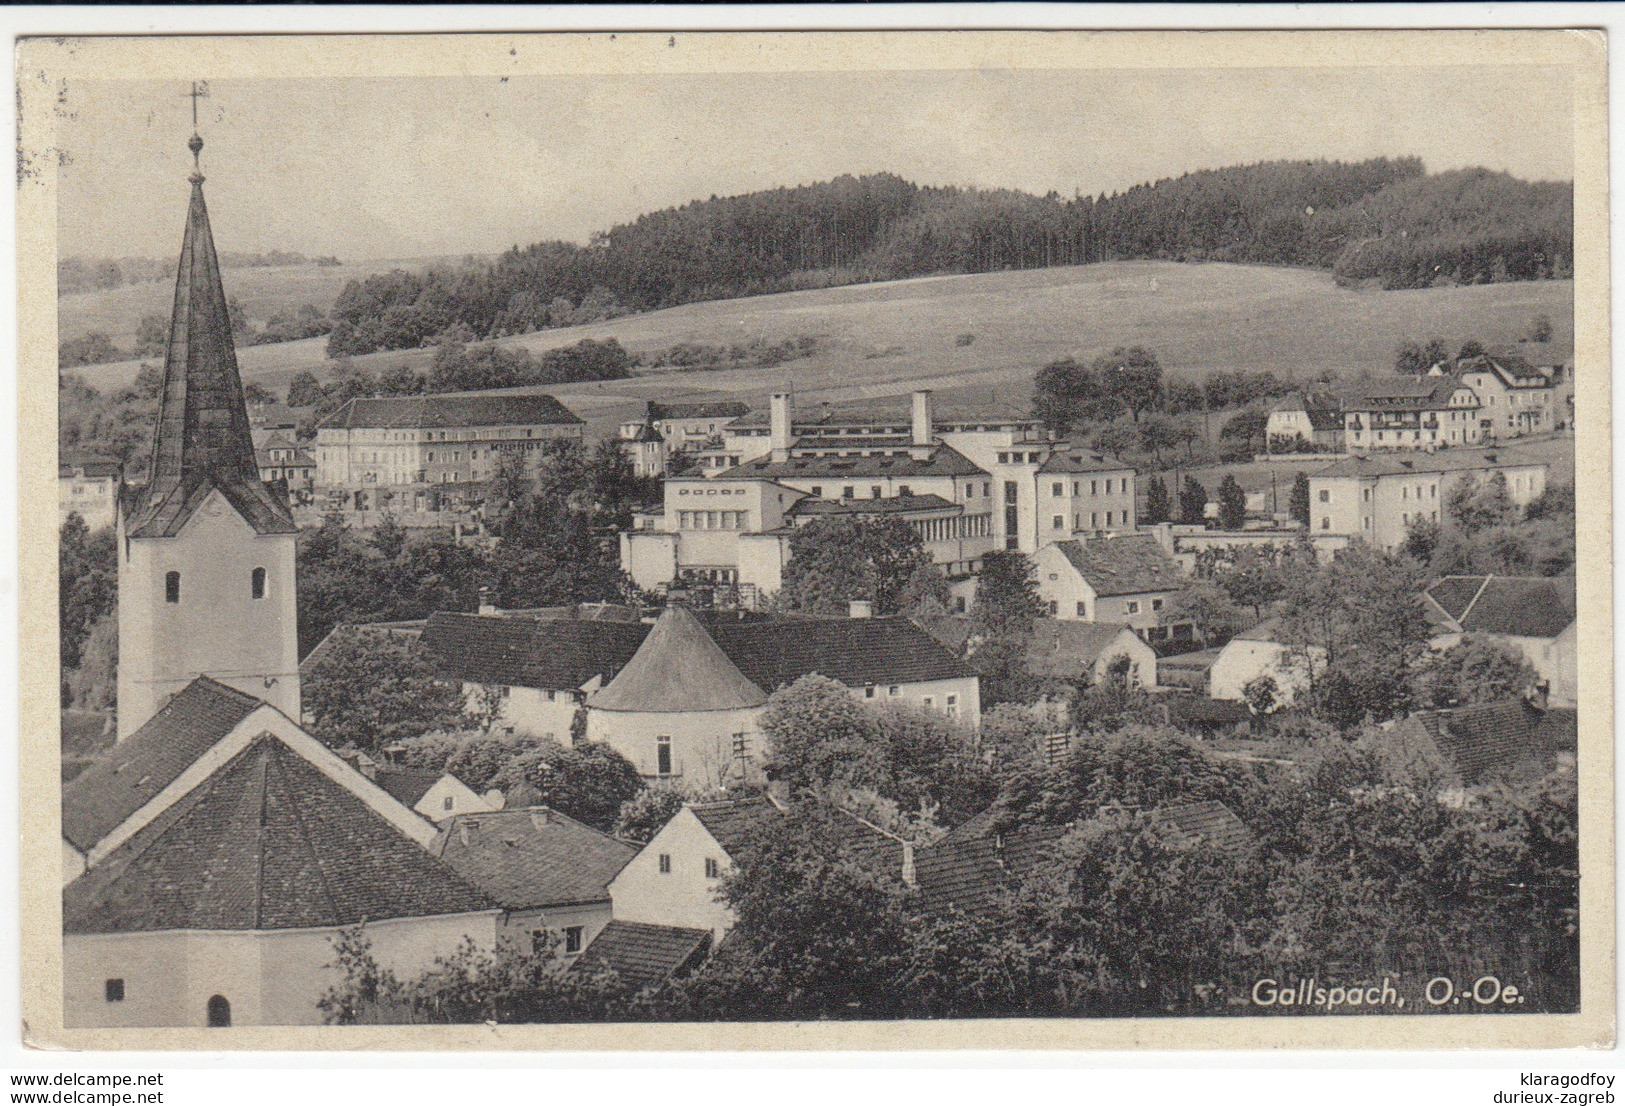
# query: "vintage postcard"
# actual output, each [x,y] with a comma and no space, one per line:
[817,540]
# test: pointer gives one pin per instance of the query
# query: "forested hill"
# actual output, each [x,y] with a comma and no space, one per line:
[1384,220]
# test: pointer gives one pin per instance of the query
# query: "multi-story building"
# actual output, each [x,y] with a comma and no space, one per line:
[1411,412]
[966,488]
[88,487]
[1515,398]
[1315,418]
[1378,498]
[690,428]
[401,441]
[280,459]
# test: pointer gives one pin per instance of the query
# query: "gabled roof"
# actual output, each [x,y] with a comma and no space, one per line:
[1209,824]
[202,440]
[678,667]
[1404,393]
[1065,648]
[1324,409]
[1128,565]
[974,868]
[406,785]
[942,461]
[554,653]
[1421,462]
[1271,629]
[1487,741]
[1517,606]
[1083,460]
[736,824]
[532,858]
[267,842]
[645,955]
[450,411]
[135,770]
[1512,370]
[858,652]
[87,467]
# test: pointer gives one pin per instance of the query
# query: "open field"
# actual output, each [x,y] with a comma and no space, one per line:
[117,312]
[879,340]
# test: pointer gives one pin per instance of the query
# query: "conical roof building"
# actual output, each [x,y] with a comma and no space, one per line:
[202,440]
[678,669]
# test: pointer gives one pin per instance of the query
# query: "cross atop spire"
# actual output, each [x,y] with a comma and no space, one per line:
[200,90]
[202,441]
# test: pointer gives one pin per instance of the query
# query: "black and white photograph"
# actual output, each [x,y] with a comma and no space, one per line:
[665,531]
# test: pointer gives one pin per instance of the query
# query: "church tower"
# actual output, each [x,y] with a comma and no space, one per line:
[206,548]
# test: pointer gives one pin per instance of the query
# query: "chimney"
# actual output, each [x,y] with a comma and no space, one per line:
[540,817]
[860,608]
[778,427]
[910,876]
[922,418]
[486,606]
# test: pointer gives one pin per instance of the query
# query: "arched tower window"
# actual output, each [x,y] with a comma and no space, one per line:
[258,583]
[172,587]
[219,1012]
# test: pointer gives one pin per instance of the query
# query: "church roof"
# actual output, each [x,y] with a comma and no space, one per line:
[267,842]
[202,442]
[679,668]
[134,771]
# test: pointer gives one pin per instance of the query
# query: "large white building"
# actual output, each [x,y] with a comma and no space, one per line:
[1377,498]
[966,487]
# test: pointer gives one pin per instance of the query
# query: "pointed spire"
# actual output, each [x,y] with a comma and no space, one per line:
[202,439]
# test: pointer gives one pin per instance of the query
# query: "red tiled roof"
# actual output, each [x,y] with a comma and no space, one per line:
[530,858]
[886,505]
[1066,648]
[135,770]
[1405,393]
[267,842]
[1129,565]
[645,955]
[720,409]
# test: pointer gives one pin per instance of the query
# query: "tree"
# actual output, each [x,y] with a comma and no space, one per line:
[1473,671]
[1298,502]
[1253,578]
[1115,438]
[1158,506]
[1434,353]
[304,390]
[151,336]
[646,813]
[1192,502]
[1472,347]
[589,782]
[257,394]
[371,689]
[1246,428]
[1473,504]
[389,537]
[1209,608]
[1232,504]
[1409,359]
[819,737]
[1157,433]
[1132,377]
[882,560]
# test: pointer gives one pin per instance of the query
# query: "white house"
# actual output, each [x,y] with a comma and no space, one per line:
[1532,615]
[1515,397]
[1127,579]
[87,487]
[437,796]
[1411,413]
[1258,653]
[548,872]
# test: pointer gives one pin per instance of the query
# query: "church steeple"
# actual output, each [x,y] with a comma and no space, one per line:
[207,577]
[202,441]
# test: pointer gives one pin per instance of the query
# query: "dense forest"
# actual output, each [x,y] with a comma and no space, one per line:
[1385,221]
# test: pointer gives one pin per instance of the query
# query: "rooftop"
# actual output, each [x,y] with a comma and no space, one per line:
[532,858]
[941,461]
[1418,462]
[1208,824]
[1083,460]
[717,409]
[885,505]
[135,770]
[450,411]
[1490,741]
[645,955]
[1128,565]
[975,868]
[1515,606]
[679,667]
[1403,393]
[267,842]
[555,653]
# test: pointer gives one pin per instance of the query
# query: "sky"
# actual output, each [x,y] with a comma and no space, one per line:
[394,168]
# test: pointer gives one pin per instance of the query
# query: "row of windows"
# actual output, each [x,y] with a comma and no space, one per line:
[1057,488]
[1019,458]
[711,520]
[950,703]
[1059,521]
[172,585]
[713,869]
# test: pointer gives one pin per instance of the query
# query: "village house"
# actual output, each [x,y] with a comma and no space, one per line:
[1411,413]
[87,486]
[1064,651]
[437,796]
[681,698]
[1532,615]
[1515,397]
[691,428]
[1260,653]
[1482,744]
[1377,498]
[280,459]
[1314,418]
[548,872]
[1126,579]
